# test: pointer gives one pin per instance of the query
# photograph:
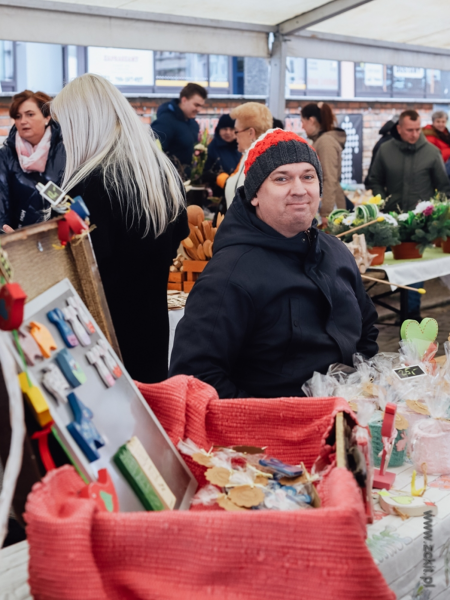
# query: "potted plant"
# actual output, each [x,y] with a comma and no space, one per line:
[378,235]
[419,228]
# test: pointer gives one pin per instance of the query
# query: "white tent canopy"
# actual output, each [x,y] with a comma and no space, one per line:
[401,32]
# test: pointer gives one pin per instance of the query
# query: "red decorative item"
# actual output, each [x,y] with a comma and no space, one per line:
[76,223]
[12,300]
[44,451]
[381,478]
[103,492]
[64,233]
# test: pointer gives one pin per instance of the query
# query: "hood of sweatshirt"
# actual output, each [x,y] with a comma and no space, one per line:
[241,226]
[172,107]
[406,147]
[337,133]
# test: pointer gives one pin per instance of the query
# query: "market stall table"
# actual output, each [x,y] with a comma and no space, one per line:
[433,264]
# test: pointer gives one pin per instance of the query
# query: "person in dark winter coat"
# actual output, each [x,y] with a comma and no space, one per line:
[408,169]
[279,299]
[223,155]
[176,127]
[438,135]
[33,152]
[135,198]
[388,131]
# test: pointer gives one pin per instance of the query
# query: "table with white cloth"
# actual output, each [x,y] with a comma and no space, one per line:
[433,264]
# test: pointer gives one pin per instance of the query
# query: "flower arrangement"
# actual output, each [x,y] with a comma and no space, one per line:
[427,222]
[381,234]
[199,158]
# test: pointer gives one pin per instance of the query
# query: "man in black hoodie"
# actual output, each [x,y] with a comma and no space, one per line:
[176,126]
[279,299]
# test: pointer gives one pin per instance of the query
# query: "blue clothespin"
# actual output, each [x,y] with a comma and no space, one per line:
[83,430]
[56,317]
[79,206]
[70,368]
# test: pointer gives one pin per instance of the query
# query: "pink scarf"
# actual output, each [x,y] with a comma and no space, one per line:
[33,158]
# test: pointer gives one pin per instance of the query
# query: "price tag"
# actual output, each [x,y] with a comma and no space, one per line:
[409,372]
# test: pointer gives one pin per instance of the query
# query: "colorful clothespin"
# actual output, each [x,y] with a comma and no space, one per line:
[12,301]
[70,368]
[82,313]
[29,347]
[44,338]
[70,314]
[109,359]
[44,451]
[103,492]
[79,206]
[83,429]
[64,234]
[36,400]
[56,316]
[381,477]
[76,224]
[93,356]
[55,383]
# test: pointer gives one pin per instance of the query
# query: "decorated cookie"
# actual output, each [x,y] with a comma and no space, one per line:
[421,335]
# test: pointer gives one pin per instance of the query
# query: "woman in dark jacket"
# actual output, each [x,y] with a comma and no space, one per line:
[32,153]
[223,155]
[134,196]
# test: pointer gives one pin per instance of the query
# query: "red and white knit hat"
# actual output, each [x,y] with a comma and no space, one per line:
[272,150]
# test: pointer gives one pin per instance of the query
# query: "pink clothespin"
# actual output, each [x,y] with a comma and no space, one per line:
[109,359]
[382,479]
[70,314]
[55,383]
[29,346]
[93,356]
[82,313]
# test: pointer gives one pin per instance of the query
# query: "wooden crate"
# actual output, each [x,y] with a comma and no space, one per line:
[175,286]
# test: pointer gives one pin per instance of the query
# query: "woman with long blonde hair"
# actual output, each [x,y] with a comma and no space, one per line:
[136,201]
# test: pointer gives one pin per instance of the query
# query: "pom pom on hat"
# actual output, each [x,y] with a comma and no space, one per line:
[272,150]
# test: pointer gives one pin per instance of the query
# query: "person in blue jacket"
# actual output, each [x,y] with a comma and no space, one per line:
[176,127]
[223,155]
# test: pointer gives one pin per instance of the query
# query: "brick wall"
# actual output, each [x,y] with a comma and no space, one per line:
[375,114]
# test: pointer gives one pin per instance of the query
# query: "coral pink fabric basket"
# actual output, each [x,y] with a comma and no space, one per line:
[79,553]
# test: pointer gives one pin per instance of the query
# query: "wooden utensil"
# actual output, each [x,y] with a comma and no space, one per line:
[187,243]
[207,248]
[377,220]
[194,212]
[198,233]
[200,252]
[404,287]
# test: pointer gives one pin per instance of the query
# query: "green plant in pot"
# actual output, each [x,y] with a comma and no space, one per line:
[419,228]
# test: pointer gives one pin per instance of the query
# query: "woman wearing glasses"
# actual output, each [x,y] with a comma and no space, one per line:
[252,120]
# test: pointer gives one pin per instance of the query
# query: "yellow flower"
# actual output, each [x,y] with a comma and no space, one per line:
[338,221]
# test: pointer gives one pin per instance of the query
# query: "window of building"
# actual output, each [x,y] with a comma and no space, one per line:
[373,80]
[438,84]
[219,73]
[176,69]
[408,82]
[128,69]
[322,77]
[295,76]
[7,66]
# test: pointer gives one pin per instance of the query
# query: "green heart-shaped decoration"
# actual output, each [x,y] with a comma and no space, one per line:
[421,335]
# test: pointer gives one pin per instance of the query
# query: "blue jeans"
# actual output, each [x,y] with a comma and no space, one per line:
[414,299]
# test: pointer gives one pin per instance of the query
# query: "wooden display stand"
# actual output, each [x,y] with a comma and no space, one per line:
[192,268]
[176,280]
[39,262]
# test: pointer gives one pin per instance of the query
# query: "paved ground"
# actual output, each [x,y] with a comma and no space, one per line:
[435,303]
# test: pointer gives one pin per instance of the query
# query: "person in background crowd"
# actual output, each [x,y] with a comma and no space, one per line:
[135,198]
[176,127]
[407,169]
[277,124]
[319,124]
[223,155]
[33,152]
[439,136]
[279,299]
[252,120]
[387,131]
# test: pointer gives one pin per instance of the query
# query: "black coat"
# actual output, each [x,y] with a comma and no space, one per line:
[268,310]
[134,272]
[222,156]
[177,134]
[20,202]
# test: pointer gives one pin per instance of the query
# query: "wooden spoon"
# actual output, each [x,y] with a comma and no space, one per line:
[198,233]
[187,243]
[207,230]
[200,252]
[194,212]
[207,248]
